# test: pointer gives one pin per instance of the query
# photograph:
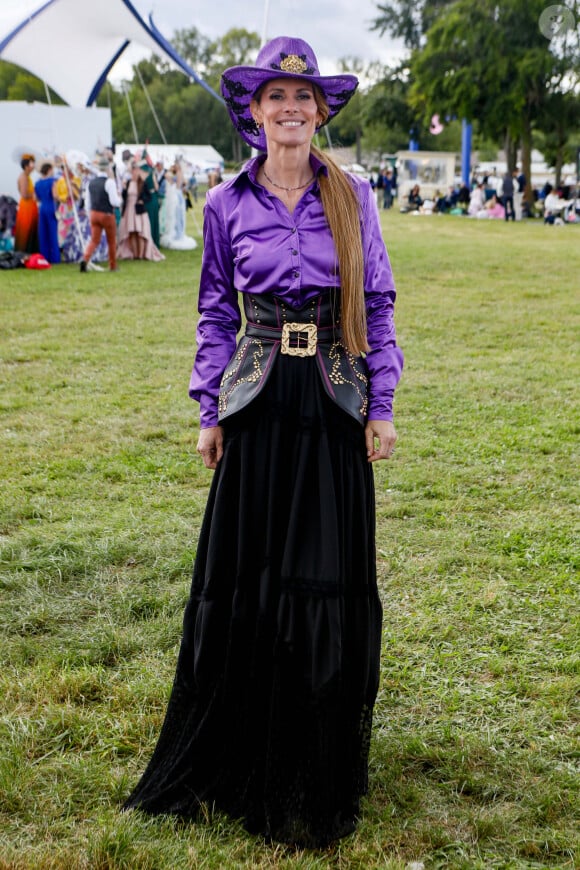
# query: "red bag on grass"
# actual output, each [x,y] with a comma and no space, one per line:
[37,261]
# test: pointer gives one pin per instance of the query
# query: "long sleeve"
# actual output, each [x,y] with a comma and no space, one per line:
[112,192]
[385,359]
[252,244]
[220,317]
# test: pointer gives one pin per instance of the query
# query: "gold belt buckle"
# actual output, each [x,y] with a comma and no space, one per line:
[308,329]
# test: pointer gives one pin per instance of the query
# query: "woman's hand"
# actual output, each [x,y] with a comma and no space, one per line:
[383,432]
[211,445]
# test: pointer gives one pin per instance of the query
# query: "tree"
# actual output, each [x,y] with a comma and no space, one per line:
[388,116]
[559,135]
[237,47]
[194,48]
[491,61]
[408,20]
[346,128]
[18,84]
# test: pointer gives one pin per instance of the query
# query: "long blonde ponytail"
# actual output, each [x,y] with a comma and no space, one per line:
[342,210]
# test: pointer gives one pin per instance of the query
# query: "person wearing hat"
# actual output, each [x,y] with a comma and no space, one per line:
[101,200]
[270,714]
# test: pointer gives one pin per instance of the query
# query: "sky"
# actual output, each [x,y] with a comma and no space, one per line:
[334,28]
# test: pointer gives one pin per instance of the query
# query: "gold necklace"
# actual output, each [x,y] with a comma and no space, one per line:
[281,186]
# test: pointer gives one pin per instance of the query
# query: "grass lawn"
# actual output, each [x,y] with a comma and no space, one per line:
[475,757]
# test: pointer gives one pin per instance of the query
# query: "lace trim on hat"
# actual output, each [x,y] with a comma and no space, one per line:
[235,88]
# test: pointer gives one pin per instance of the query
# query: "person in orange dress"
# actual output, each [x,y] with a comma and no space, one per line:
[26,226]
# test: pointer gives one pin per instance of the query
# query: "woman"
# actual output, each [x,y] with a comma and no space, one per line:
[270,715]
[415,199]
[26,226]
[68,195]
[152,198]
[494,209]
[45,190]
[173,211]
[135,241]
[477,202]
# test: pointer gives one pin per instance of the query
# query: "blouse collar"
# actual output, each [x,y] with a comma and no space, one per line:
[252,167]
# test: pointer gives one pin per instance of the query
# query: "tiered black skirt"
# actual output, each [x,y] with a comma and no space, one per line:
[269,718]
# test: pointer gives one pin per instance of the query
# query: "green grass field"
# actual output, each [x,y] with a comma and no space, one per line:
[475,758]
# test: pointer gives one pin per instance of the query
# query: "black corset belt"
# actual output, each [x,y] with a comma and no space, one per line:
[274,327]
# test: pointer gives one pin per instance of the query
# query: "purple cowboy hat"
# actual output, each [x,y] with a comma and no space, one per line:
[282,57]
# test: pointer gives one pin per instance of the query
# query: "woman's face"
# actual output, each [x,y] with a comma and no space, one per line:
[288,111]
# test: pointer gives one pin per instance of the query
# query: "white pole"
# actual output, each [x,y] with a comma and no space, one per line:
[69,185]
[265,22]
[126,92]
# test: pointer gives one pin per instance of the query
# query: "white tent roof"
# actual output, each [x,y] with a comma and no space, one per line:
[201,156]
[72,45]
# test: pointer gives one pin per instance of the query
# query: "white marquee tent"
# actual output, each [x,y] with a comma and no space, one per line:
[73,44]
[198,159]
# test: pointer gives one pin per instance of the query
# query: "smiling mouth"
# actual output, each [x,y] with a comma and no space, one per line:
[290,123]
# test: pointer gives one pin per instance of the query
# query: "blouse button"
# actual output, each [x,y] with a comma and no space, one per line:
[295,274]
[293,229]
[294,252]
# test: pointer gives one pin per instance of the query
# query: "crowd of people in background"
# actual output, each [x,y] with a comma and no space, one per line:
[75,210]
[490,196]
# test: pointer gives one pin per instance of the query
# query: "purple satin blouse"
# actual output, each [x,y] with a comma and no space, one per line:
[252,244]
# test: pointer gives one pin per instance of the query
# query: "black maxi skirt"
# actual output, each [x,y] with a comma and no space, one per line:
[269,718]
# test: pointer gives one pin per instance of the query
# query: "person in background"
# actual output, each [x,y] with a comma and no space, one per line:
[388,189]
[173,212]
[151,199]
[102,199]
[135,239]
[518,194]
[270,715]
[26,226]
[414,199]
[508,196]
[444,203]
[160,173]
[477,201]
[493,209]
[45,191]
[68,197]
[463,197]
[193,186]
[214,177]
[380,186]
[124,176]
